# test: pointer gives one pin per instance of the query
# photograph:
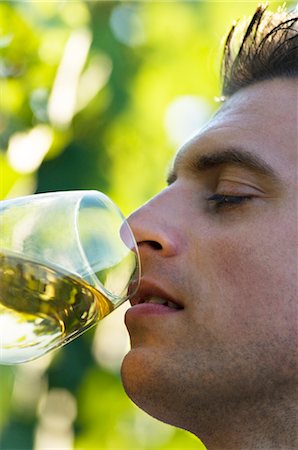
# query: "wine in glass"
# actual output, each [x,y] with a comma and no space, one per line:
[67,259]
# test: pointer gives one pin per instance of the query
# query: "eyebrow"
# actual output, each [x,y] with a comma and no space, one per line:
[234,157]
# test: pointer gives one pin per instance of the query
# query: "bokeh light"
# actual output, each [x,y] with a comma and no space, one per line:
[185,116]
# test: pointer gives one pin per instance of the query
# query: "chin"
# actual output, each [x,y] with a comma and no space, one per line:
[147,384]
[137,380]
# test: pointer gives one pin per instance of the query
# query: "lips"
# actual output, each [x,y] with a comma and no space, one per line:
[150,293]
[161,301]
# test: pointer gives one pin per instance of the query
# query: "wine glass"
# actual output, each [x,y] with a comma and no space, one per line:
[67,259]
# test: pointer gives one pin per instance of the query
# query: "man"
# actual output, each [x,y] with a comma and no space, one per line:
[213,327]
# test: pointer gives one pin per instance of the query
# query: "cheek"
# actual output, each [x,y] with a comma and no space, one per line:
[252,283]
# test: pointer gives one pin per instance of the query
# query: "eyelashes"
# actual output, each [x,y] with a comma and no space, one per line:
[219,201]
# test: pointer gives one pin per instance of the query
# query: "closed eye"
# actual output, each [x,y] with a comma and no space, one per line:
[218,201]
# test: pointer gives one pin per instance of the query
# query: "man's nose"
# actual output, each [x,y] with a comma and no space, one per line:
[153,227]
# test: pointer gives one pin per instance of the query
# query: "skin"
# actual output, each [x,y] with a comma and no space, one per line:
[225,366]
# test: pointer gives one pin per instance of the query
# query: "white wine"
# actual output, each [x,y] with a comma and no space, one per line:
[42,307]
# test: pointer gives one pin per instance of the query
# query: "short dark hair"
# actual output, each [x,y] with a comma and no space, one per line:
[267,48]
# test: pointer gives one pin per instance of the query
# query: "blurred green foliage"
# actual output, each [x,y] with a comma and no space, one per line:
[92,96]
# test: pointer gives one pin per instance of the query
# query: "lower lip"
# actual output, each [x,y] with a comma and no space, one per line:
[150,309]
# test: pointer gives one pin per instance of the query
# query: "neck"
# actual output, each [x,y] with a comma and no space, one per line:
[253,424]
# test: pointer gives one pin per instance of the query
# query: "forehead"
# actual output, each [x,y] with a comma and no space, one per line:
[261,119]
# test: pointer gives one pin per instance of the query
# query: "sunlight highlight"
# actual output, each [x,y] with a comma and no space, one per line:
[57,412]
[111,342]
[184,118]
[63,98]
[26,151]
[94,78]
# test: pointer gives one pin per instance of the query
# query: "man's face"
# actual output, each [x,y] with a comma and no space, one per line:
[220,242]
